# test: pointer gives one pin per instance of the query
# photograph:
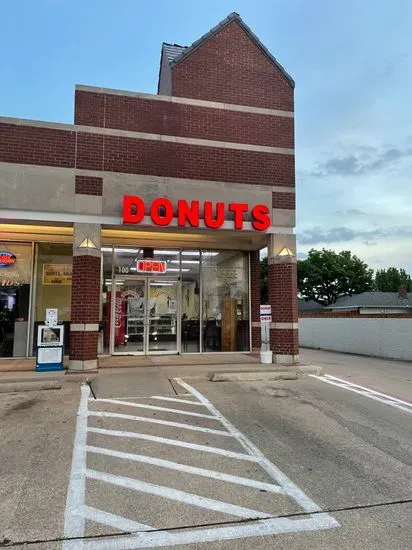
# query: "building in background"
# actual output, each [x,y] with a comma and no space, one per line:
[142,222]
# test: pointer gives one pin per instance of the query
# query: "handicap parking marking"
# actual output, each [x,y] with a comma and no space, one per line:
[135,534]
[404,406]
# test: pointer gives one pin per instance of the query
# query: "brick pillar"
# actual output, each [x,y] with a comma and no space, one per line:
[282,287]
[255,284]
[86,290]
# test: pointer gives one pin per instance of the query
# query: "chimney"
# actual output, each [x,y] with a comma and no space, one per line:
[403,294]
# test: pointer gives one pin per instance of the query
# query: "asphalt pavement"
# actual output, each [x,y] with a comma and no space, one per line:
[162,459]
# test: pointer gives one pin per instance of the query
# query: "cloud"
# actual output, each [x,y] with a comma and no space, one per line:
[362,160]
[317,235]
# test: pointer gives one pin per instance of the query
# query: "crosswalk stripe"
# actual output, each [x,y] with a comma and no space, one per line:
[176,495]
[175,442]
[220,476]
[154,407]
[112,520]
[156,421]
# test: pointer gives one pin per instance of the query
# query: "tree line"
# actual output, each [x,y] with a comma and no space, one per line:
[325,275]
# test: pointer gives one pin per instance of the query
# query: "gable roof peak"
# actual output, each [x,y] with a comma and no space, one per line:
[186,51]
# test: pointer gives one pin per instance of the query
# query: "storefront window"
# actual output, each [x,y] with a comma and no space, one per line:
[15,278]
[53,285]
[190,270]
[225,301]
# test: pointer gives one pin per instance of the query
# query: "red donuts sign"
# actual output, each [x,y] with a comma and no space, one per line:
[161,212]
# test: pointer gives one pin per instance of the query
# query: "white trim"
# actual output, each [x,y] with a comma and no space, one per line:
[185,140]
[283,189]
[152,137]
[84,327]
[188,101]
[10,216]
[174,443]
[282,326]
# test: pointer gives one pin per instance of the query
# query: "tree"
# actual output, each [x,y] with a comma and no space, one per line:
[264,280]
[324,276]
[392,280]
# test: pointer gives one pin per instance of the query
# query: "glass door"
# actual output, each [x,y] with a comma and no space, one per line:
[162,314]
[129,315]
[144,314]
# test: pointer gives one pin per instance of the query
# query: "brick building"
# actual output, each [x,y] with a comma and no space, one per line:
[142,222]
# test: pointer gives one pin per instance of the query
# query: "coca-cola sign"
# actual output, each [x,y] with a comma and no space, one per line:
[7,258]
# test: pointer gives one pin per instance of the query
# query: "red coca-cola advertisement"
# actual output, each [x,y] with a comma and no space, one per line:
[119,319]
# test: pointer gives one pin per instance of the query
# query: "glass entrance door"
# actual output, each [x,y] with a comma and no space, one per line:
[162,316]
[145,316]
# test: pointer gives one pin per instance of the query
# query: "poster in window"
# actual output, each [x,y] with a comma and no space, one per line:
[57,274]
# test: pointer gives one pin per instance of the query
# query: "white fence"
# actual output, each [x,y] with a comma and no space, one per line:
[379,337]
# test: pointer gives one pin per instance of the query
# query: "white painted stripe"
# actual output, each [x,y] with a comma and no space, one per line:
[174,442]
[289,487]
[260,528]
[117,522]
[73,523]
[185,140]
[156,421]
[13,215]
[237,480]
[153,407]
[176,400]
[176,495]
[189,101]
[366,392]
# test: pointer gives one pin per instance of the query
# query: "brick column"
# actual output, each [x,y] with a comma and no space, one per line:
[255,284]
[282,288]
[86,289]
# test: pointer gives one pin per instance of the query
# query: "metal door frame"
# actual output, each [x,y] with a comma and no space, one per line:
[146,320]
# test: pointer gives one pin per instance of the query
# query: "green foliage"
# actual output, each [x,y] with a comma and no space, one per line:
[324,276]
[392,280]
[264,281]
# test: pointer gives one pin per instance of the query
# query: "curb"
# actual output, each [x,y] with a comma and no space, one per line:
[15,387]
[254,376]
[291,373]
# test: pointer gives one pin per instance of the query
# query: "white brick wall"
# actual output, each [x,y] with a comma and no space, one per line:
[381,337]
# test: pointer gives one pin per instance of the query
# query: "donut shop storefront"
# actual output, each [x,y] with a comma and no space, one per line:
[174,277]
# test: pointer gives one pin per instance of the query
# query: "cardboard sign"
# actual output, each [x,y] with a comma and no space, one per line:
[57,274]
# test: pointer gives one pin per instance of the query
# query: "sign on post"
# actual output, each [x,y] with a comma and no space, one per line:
[265,314]
[51,317]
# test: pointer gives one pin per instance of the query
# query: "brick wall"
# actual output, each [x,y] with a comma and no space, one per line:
[163,117]
[36,145]
[89,185]
[282,288]
[284,200]
[229,67]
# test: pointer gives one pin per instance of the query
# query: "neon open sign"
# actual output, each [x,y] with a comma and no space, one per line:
[151,266]
[7,258]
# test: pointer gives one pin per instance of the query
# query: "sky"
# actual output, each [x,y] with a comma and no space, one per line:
[351,60]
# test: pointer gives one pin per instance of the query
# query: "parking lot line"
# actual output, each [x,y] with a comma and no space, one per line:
[175,442]
[176,495]
[153,407]
[176,400]
[237,480]
[112,520]
[145,536]
[157,421]
[366,392]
